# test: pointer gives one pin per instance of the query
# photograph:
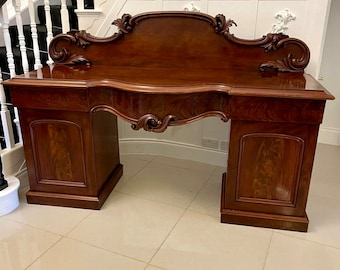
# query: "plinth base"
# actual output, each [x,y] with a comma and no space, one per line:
[258,219]
[265,220]
[77,201]
[9,199]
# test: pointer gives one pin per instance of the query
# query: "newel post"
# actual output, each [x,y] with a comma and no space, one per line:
[3,181]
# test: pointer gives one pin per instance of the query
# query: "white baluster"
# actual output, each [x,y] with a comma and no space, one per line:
[21,36]
[80,4]
[48,27]
[6,118]
[17,123]
[65,23]
[37,62]
[7,39]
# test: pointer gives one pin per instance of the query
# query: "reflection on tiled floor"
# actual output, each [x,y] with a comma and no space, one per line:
[164,214]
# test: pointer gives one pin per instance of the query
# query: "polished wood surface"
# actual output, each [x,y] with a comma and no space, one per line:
[172,68]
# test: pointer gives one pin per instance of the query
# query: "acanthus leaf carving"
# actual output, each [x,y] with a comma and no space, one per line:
[124,24]
[290,63]
[80,40]
[275,64]
[274,42]
[222,25]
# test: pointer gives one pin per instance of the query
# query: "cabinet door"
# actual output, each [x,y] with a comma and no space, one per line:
[58,149]
[269,167]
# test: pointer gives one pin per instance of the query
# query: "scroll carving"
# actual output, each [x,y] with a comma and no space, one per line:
[64,55]
[290,63]
[150,122]
[79,39]
[285,54]
[270,42]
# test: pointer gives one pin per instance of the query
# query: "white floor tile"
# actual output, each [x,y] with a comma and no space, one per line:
[220,170]
[208,200]
[128,225]
[323,206]
[59,220]
[21,245]
[324,221]
[146,157]
[295,254]
[151,267]
[325,177]
[167,184]
[70,255]
[132,164]
[202,242]
[185,164]
[324,226]
[144,224]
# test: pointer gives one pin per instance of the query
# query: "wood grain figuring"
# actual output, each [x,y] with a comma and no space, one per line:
[59,98]
[214,42]
[105,142]
[272,173]
[69,157]
[53,156]
[277,109]
[165,69]
[291,142]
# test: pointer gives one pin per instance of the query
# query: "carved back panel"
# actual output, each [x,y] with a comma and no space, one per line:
[180,40]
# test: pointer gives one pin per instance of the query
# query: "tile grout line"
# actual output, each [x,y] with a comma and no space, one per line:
[166,237]
[104,249]
[139,171]
[39,257]
[136,196]
[181,167]
[198,192]
[269,245]
[185,210]
[81,221]
[34,227]
[306,240]
[158,267]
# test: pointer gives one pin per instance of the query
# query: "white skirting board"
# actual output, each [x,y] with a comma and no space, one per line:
[329,136]
[173,149]
[197,153]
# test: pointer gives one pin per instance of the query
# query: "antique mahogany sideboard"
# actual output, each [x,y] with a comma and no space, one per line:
[170,68]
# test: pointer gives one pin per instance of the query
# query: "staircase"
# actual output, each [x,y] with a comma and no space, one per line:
[42,35]
[49,22]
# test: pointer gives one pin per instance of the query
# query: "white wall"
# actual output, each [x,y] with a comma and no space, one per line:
[330,77]
[254,18]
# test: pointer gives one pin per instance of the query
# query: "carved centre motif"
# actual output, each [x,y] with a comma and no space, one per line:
[150,122]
